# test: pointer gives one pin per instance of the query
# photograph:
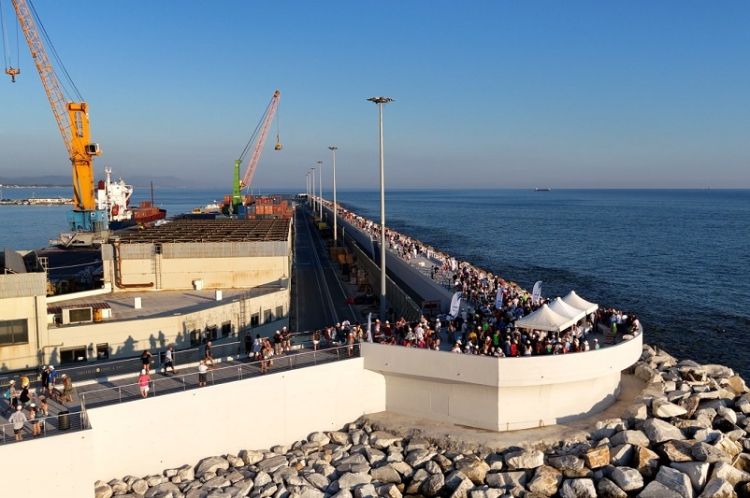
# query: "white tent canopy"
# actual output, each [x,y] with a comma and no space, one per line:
[577,301]
[562,308]
[544,319]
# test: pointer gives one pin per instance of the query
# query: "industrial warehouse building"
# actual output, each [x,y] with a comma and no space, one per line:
[174,284]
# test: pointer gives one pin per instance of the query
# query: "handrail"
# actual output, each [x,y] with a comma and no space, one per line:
[50,425]
[223,374]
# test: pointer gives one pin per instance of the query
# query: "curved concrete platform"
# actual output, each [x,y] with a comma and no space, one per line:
[500,394]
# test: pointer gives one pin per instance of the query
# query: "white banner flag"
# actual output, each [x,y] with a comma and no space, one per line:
[455,304]
[499,298]
[536,293]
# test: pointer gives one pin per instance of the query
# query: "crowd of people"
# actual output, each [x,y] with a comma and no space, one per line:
[27,404]
[486,326]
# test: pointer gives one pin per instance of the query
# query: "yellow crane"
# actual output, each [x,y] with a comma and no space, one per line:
[73,120]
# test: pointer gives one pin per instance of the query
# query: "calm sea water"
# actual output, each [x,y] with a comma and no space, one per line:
[680,259]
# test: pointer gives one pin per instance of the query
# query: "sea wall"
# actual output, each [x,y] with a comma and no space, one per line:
[500,394]
[143,436]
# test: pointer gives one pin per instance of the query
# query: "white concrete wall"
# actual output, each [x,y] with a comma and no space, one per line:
[22,296]
[500,393]
[147,436]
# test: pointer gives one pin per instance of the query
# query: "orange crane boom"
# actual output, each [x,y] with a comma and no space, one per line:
[73,121]
[265,125]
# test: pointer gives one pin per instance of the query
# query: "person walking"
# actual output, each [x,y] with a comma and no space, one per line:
[146,361]
[45,379]
[202,369]
[208,355]
[67,393]
[169,360]
[12,395]
[143,381]
[35,428]
[51,380]
[18,419]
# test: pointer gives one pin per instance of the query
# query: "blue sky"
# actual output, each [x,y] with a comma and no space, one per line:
[489,93]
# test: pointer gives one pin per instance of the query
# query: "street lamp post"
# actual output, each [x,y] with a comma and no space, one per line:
[381,101]
[333,150]
[312,181]
[320,199]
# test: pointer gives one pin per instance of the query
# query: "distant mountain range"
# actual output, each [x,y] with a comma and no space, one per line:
[65,181]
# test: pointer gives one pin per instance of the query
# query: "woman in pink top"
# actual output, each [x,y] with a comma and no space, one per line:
[143,381]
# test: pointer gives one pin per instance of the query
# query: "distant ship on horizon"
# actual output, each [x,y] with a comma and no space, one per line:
[542,189]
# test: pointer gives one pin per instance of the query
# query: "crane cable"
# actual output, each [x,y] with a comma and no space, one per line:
[49,43]
[6,47]
[255,132]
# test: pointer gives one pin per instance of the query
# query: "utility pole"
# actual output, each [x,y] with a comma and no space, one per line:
[333,150]
[381,101]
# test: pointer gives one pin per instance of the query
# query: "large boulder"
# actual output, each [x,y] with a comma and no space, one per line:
[578,488]
[732,475]
[718,488]
[352,479]
[659,431]
[697,472]
[655,489]
[386,474]
[627,478]
[211,464]
[597,457]
[676,481]
[432,485]
[524,459]
[637,438]
[664,409]
[473,468]
[546,481]
[607,489]
[381,439]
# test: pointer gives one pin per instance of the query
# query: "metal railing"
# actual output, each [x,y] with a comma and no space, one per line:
[51,425]
[182,382]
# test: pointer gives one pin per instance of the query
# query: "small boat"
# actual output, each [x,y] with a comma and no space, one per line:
[543,189]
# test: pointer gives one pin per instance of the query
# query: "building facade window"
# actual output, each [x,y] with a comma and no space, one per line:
[72,355]
[102,351]
[255,320]
[14,332]
[226,329]
[279,311]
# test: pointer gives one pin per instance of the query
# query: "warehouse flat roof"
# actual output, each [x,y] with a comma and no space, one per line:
[218,230]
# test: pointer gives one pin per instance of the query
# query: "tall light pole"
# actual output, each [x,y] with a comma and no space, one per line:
[307,187]
[320,177]
[312,198]
[333,150]
[381,101]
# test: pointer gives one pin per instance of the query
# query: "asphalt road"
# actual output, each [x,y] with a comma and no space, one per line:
[318,298]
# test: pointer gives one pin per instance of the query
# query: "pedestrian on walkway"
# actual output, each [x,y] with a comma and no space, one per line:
[43,407]
[278,342]
[208,355]
[146,361]
[35,428]
[52,380]
[45,379]
[169,360]
[202,369]
[12,395]
[18,419]
[257,347]
[67,393]
[316,339]
[143,381]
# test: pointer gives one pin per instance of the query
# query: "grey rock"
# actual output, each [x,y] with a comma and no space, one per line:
[139,487]
[546,481]
[718,488]
[351,479]
[655,489]
[163,490]
[634,437]
[578,488]
[381,439]
[566,462]
[338,437]
[261,479]
[389,491]
[403,468]
[659,430]
[417,444]
[282,474]
[344,493]
[676,481]
[458,484]
[319,437]
[728,414]
[365,491]
[474,469]
[211,464]
[154,480]
[627,478]
[524,459]
[444,462]
[677,451]
[217,482]
[119,487]
[697,472]
[374,456]
[664,409]
[318,480]
[607,489]
[707,453]
[102,490]
[418,458]
[186,473]
[506,479]
[432,467]
[273,463]
[732,475]
[621,455]
[432,485]
[386,474]
[250,457]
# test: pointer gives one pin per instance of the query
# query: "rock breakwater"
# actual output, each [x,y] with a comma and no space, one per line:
[686,436]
